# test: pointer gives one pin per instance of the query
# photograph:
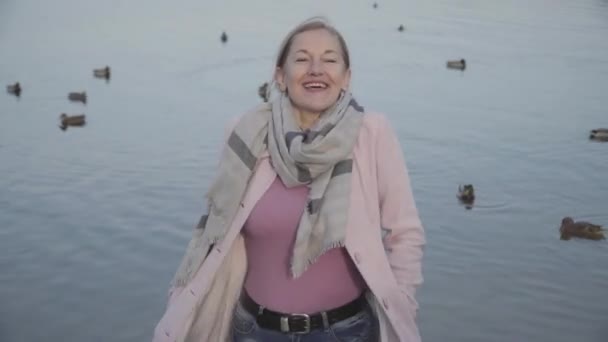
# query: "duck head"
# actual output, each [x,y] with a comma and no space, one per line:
[566,221]
[468,190]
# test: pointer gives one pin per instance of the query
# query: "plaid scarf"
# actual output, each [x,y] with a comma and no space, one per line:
[320,157]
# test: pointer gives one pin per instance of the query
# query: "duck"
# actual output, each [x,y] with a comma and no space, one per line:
[375,5]
[263,91]
[466,193]
[224,37]
[78,97]
[580,229]
[400,28]
[460,64]
[600,134]
[102,73]
[14,89]
[73,120]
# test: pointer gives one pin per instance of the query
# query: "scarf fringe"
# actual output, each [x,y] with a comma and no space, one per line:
[296,274]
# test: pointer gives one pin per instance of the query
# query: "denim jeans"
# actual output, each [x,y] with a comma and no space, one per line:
[362,327]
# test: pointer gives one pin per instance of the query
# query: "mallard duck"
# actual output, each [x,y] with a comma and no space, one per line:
[73,120]
[263,91]
[466,193]
[224,37]
[600,134]
[14,89]
[400,28]
[580,229]
[460,65]
[102,73]
[78,97]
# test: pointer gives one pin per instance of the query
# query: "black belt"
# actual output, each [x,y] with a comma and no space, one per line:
[300,323]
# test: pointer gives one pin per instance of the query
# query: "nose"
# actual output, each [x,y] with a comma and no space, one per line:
[315,68]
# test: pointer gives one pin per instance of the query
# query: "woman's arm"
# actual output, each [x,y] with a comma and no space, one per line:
[174,290]
[404,234]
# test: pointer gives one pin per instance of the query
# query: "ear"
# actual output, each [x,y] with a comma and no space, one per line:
[346,82]
[279,78]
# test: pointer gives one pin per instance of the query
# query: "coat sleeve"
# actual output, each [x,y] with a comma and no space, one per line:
[174,291]
[403,233]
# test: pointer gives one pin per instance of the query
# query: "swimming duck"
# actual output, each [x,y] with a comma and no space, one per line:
[14,89]
[224,37]
[600,134]
[466,193]
[102,73]
[73,120]
[400,28]
[375,5]
[78,97]
[460,65]
[580,229]
[263,91]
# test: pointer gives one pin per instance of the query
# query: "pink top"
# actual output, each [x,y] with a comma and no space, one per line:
[270,233]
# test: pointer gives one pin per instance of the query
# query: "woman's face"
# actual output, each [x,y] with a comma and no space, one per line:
[314,71]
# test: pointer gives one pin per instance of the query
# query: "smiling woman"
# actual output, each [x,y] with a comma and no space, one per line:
[311,229]
[313,68]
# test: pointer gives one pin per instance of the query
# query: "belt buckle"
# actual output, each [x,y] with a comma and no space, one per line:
[285,323]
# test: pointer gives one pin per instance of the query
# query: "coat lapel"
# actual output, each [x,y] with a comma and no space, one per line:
[262,178]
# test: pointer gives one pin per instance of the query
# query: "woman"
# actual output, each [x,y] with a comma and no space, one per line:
[312,233]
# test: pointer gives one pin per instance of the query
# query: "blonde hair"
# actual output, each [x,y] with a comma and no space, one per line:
[314,23]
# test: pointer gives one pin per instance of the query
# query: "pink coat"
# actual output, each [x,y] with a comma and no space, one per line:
[385,238]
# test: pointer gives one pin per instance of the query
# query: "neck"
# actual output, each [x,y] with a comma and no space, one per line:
[305,119]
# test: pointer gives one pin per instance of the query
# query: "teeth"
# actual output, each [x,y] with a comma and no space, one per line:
[315,85]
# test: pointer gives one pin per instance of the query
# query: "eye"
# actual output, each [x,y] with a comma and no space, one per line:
[331,60]
[301,59]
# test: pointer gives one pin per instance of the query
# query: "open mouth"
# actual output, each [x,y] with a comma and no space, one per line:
[315,86]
